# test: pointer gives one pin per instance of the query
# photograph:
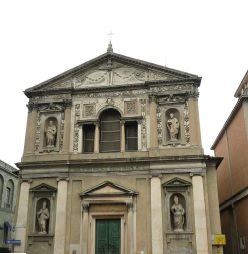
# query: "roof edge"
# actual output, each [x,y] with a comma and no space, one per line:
[229,119]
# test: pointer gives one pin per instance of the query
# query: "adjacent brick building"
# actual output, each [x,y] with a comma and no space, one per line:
[232,174]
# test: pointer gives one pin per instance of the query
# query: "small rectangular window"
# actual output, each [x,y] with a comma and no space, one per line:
[131,136]
[88,138]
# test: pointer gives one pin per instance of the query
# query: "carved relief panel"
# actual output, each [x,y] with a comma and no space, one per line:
[89,110]
[130,107]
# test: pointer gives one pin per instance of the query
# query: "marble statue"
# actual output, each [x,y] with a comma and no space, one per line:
[43,216]
[178,215]
[50,134]
[173,127]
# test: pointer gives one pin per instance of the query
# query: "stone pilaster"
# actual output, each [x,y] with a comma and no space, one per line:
[194,123]
[84,229]
[214,211]
[123,136]
[130,228]
[60,223]
[201,234]
[21,223]
[153,122]
[29,145]
[156,216]
[67,129]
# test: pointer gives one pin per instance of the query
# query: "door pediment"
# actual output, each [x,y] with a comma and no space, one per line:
[107,189]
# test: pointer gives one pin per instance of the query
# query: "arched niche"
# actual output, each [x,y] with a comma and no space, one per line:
[180,188]
[172,125]
[177,212]
[50,133]
[43,193]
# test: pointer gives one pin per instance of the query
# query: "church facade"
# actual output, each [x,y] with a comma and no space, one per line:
[113,163]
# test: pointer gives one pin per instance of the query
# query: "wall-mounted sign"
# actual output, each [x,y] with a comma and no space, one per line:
[14,242]
[218,240]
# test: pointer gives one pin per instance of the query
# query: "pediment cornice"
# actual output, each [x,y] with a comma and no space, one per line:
[125,71]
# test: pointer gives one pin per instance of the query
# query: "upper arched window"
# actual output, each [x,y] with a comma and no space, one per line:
[110,133]
[9,194]
[110,137]
[1,189]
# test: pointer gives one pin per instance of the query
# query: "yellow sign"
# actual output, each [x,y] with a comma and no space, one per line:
[218,240]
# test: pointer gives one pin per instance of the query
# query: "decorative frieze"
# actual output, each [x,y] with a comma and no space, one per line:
[184,87]
[109,168]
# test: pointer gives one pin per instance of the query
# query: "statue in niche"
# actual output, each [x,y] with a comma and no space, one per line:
[173,127]
[43,216]
[178,215]
[50,134]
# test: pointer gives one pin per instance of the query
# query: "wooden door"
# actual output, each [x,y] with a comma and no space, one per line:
[108,236]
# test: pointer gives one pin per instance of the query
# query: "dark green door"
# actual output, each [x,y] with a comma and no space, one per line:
[108,236]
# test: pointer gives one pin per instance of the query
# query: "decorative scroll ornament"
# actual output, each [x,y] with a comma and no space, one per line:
[38,132]
[186,122]
[143,124]
[172,99]
[159,126]
[62,125]
[76,128]
[160,76]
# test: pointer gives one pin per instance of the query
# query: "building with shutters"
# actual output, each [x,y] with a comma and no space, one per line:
[8,191]
[113,163]
[232,144]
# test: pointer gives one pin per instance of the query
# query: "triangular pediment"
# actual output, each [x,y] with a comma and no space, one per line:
[43,188]
[176,182]
[110,69]
[107,188]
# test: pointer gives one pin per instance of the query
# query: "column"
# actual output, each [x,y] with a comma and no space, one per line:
[139,135]
[123,136]
[80,138]
[22,215]
[84,229]
[156,216]
[200,216]
[67,127]
[194,122]
[153,122]
[29,145]
[214,211]
[130,229]
[60,222]
[96,138]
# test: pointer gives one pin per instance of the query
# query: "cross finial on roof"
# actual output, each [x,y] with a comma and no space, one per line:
[110,49]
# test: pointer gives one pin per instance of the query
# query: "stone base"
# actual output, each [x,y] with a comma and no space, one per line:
[179,243]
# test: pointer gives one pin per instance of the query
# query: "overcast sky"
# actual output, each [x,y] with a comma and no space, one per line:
[41,39]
